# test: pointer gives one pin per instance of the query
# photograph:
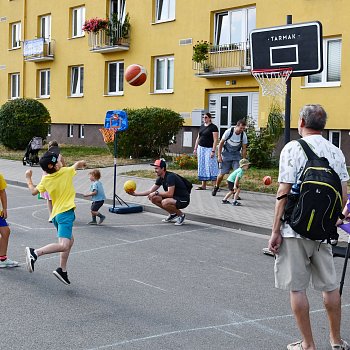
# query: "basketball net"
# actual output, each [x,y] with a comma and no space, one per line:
[272,81]
[108,134]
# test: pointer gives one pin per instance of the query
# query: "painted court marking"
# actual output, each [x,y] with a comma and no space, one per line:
[191,330]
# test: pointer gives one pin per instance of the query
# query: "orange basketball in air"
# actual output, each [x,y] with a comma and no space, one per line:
[135,75]
[267,180]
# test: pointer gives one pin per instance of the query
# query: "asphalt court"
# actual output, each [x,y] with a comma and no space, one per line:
[138,283]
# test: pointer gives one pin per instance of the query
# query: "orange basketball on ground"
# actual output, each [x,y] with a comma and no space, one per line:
[267,180]
[135,75]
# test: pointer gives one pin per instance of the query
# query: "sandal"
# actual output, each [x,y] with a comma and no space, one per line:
[200,188]
[295,346]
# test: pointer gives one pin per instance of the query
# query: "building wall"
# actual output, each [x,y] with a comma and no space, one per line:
[148,39]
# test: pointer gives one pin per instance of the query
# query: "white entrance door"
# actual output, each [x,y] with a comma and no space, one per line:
[229,108]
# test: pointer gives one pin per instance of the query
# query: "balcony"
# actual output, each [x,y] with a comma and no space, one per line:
[225,61]
[113,40]
[38,50]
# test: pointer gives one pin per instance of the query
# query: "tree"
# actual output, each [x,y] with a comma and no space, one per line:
[22,119]
[151,131]
[262,142]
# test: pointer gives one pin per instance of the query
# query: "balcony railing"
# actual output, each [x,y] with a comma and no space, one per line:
[228,59]
[101,42]
[38,50]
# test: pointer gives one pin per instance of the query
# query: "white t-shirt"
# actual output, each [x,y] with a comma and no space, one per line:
[233,149]
[293,160]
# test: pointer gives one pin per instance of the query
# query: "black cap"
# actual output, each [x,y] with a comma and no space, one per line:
[48,161]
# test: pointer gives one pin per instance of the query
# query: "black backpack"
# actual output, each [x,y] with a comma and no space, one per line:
[317,208]
[186,182]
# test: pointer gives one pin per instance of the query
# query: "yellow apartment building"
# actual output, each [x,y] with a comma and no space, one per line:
[45,54]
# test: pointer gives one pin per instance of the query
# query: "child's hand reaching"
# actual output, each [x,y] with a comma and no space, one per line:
[29,174]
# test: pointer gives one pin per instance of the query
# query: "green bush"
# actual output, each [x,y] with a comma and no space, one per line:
[185,161]
[151,131]
[262,142]
[20,120]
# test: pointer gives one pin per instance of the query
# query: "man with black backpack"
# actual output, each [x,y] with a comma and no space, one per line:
[176,194]
[303,255]
[232,148]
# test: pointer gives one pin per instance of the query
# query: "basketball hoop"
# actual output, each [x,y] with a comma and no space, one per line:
[108,134]
[272,81]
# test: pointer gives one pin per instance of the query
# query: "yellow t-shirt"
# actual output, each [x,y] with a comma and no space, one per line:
[3,185]
[61,189]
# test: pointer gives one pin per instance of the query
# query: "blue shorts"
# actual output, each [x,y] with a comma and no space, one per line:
[64,224]
[3,222]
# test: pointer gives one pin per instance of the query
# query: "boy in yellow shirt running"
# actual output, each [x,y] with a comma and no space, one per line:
[59,184]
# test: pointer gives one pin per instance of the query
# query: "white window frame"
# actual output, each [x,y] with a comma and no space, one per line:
[15,81]
[77,81]
[78,19]
[117,6]
[81,131]
[248,15]
[167,78]
[119,78]
[165,10]
[70,130]
[331,134]
[323,74]
[44,83]
[16,35]
[45,27]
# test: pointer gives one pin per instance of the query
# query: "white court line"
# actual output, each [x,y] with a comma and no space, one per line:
[190,330]
[149,285]
[22,227]
[125,242]
[27,206]
[237,271]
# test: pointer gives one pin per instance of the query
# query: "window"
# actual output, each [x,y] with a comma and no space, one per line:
[78,19]
[45,27]
[77,81]
[16,35]
[165,10]
[44,83]
[331,74]
[14,85]
[70,130]
[118,7]
[81,131]
[334,137]
[164,74]
[234,26]
[115,78]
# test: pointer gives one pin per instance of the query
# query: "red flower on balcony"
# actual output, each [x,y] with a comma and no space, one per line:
[94,25]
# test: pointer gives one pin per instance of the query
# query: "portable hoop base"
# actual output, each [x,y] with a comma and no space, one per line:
[124,208]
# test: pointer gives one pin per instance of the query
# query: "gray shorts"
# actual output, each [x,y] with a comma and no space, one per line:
[227,165]
[301,261]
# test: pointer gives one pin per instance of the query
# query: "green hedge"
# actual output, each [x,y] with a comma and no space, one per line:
[22,119]
[151,131]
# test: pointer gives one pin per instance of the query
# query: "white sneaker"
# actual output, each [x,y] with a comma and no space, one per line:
[342,346]
[8,263]
[170,218]
[180,220]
